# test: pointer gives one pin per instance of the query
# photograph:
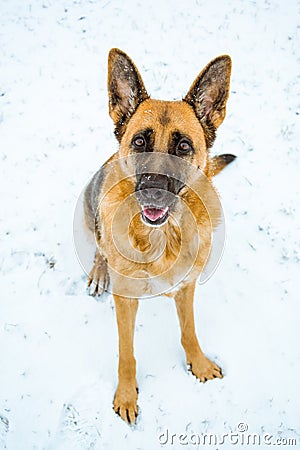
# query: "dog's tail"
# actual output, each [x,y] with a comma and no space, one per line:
[217,163]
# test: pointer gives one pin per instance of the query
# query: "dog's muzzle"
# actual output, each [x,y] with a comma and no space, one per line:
[156,194]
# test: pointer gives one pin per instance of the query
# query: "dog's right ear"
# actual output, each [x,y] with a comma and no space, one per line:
[126,89]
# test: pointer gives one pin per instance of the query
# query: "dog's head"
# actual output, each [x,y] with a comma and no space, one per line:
[182,129]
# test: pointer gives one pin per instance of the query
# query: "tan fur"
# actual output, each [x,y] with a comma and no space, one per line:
[157,257]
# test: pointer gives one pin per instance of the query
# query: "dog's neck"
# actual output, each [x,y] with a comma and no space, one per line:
[155,241]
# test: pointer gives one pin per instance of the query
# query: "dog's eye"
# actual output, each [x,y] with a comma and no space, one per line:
[184,147]
[139,142]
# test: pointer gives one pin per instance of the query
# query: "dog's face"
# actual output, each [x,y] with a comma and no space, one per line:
[185,130]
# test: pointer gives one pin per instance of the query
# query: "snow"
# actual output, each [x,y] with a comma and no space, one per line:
[59,346]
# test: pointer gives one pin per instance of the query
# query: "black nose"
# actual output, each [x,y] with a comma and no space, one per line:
[152,194]
[153,190]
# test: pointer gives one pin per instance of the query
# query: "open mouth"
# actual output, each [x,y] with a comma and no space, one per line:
[154,216]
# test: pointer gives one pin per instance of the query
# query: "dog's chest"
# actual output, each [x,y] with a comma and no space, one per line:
[154,264]
[169,270]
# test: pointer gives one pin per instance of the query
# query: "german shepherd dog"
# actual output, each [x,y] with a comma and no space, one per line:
[145,199]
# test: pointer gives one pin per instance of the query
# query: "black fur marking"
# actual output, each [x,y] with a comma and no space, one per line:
[174,141]
[148,135]
[228,158]
[164,119]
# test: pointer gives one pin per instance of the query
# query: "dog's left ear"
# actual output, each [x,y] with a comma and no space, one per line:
[126,89]
[209,93]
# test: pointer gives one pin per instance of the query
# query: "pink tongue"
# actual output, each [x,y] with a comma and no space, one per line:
[153,213]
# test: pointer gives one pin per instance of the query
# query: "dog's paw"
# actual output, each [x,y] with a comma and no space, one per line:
[204,369]
[98,280]
[125,403]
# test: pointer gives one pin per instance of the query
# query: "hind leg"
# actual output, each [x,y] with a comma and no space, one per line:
[98,280]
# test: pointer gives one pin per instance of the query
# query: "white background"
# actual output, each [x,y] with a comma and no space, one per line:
[57,345]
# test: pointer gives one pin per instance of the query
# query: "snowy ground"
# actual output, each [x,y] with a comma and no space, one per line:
[59,346]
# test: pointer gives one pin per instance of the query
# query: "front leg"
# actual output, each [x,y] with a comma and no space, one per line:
[201,366]
[125,401]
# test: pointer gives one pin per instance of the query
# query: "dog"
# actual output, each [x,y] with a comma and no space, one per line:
[145,210]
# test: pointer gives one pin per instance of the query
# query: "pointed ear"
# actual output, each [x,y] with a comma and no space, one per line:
[209,93]
[126,89]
